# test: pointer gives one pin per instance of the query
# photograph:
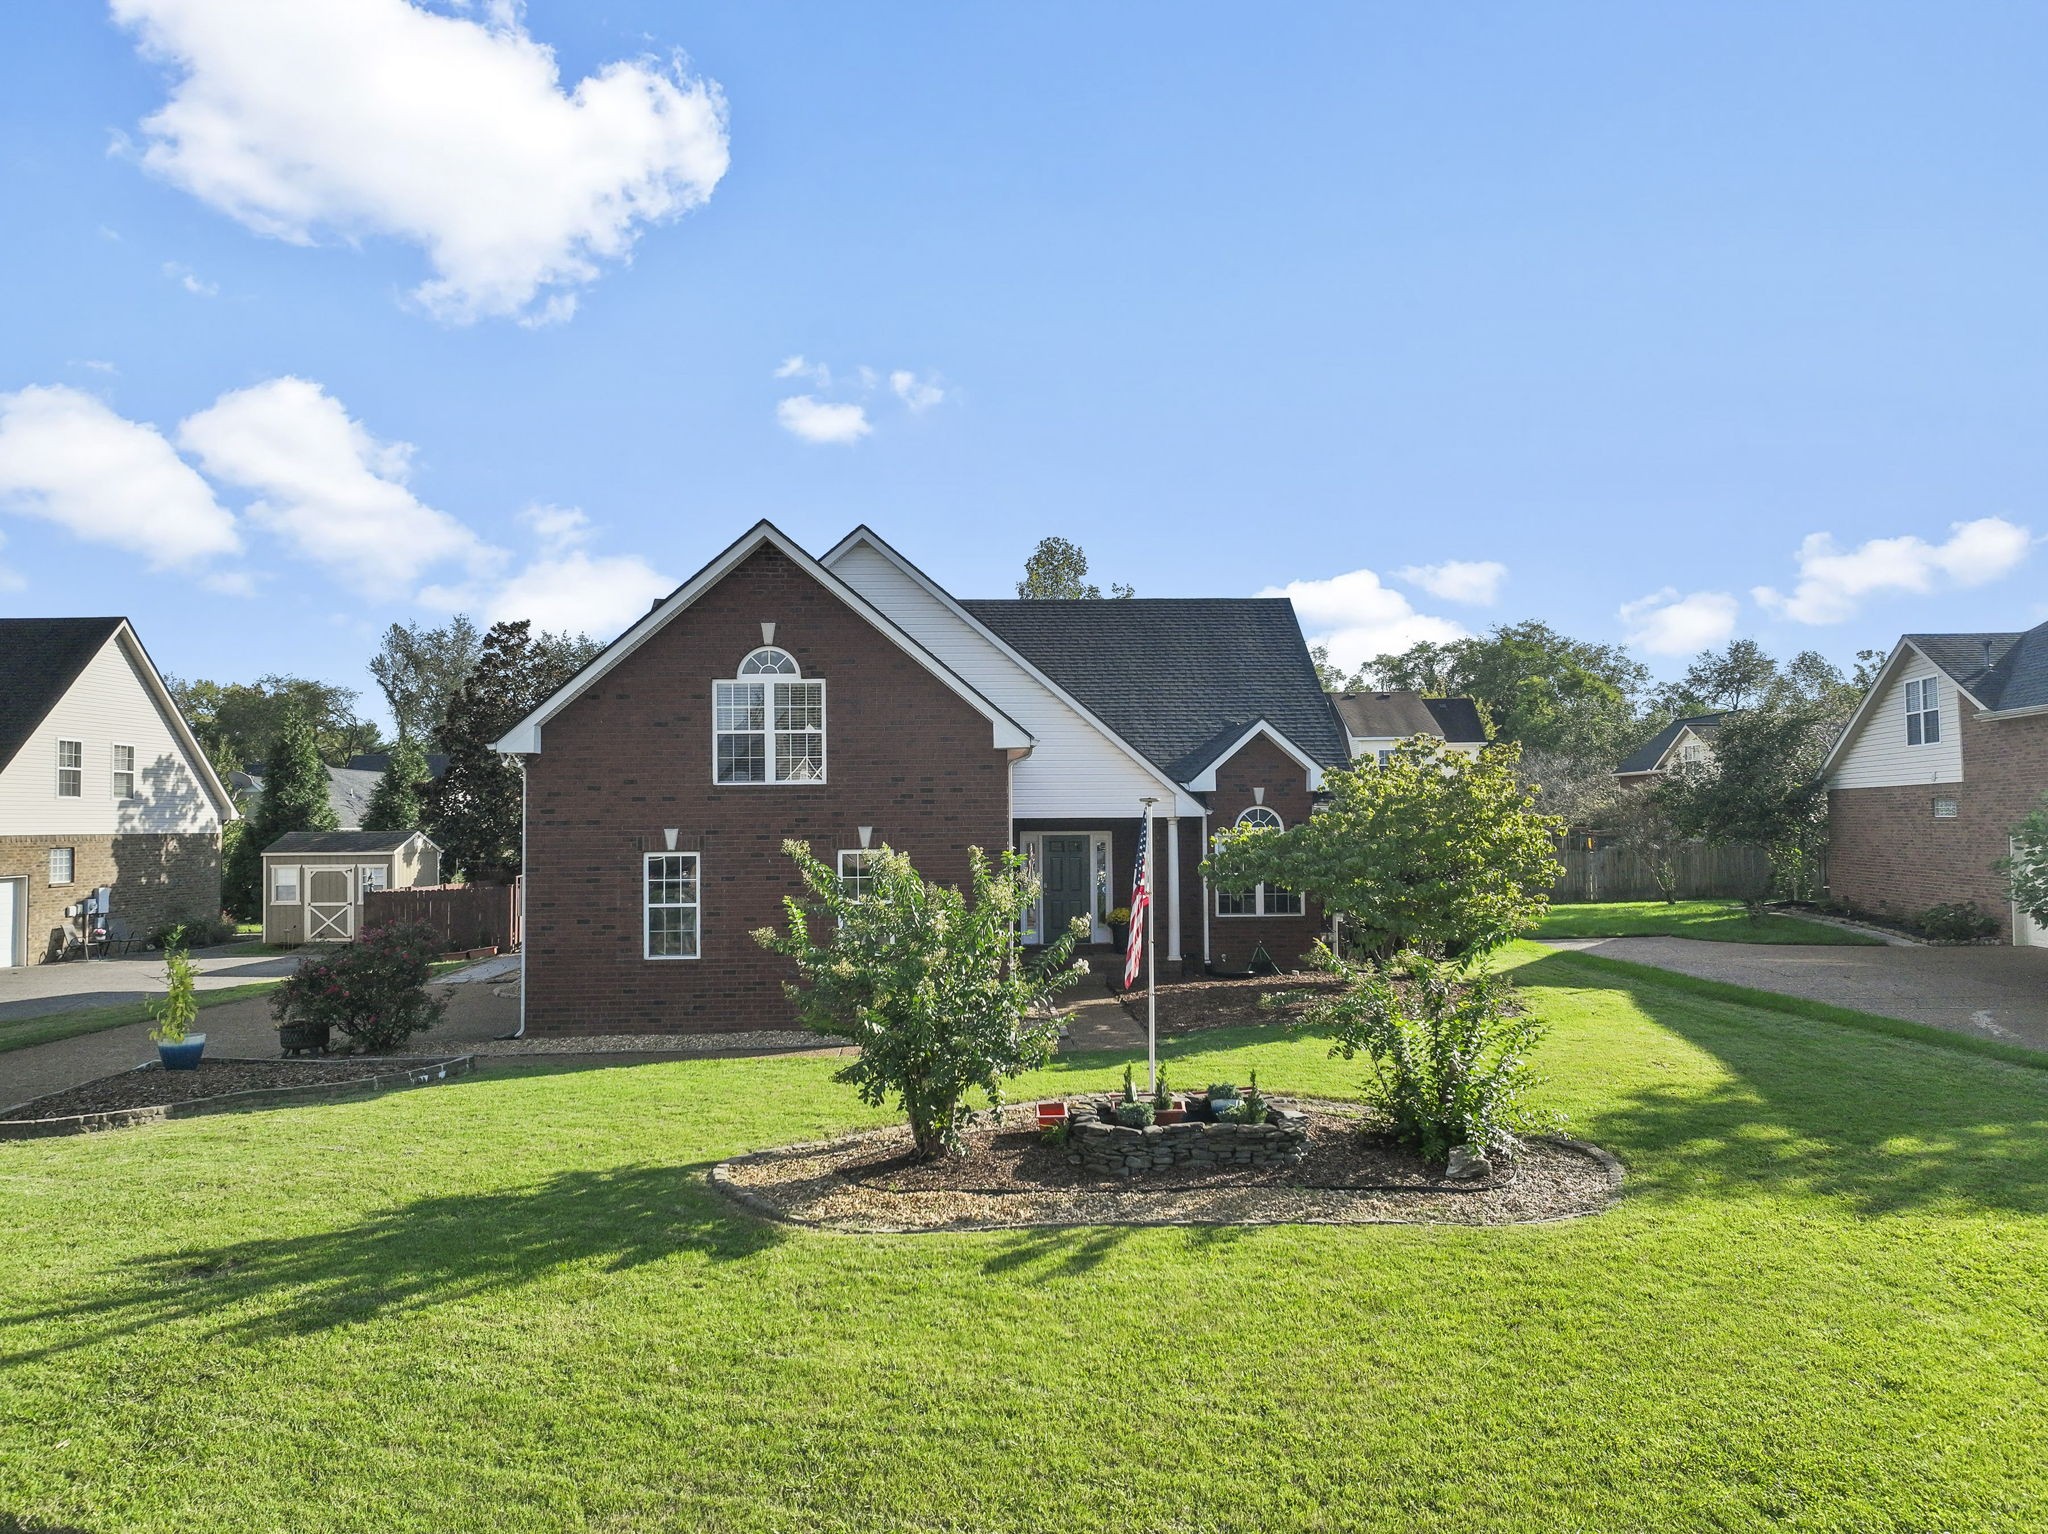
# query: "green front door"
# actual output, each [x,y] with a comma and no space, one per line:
[1064,863]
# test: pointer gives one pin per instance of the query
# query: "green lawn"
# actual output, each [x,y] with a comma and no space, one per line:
[1722,921]
[512,1304]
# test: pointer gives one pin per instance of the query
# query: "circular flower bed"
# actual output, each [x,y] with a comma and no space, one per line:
[1013,1175]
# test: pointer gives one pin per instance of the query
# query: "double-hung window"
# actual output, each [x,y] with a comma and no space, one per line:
[856,878]
[124,772]
[1923,712]
[70,769]
[768,723]
[1260,899]
[670,898]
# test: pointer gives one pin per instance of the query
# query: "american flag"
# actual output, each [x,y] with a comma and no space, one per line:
[1141,904]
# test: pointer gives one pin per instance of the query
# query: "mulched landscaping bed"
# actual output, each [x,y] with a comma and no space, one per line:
[150,1093]
[1010,1177]
[1189,1006]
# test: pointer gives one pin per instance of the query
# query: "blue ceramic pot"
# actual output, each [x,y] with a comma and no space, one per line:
[183,1056]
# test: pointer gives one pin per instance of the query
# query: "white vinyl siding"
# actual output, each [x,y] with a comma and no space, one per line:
[1880,756]
[109,703]
[670,898]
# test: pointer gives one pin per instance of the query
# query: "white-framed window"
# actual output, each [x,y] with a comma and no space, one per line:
[1923,712]
[670,899]
[1260,899]
[855,877]
[1947,809]
[768,724]
[124,772]
[63,865]
[70,769]
[372,876]
[1386,758]
[284,884]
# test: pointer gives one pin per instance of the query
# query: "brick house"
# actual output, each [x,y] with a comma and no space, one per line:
[1947,753]
[101,785]
[851,702]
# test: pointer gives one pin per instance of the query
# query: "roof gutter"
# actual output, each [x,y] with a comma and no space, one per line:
[2032,710]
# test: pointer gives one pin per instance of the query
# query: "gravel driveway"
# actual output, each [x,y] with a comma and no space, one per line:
[1993,993]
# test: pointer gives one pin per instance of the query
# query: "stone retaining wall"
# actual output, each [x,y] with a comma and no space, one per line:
[1117,1151]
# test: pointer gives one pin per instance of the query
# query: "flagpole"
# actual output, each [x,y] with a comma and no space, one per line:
[1151,954]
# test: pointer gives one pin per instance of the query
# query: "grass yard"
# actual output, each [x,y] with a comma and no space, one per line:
[20,1032]
[512,1304]
[1721,921]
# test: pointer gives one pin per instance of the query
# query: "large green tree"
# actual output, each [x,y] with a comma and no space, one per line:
[294,798]
[1058,570]
[1762,787]
[398,803]
[1436,851]
[419,670]
[237,721]
[473,812]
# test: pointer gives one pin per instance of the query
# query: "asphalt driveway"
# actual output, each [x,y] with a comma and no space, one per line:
[1994,993]
[35,990]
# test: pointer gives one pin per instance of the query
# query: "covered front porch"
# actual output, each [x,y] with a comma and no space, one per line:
[1086,867]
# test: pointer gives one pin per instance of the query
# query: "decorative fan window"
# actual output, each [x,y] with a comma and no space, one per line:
[1260,899]
[768,724]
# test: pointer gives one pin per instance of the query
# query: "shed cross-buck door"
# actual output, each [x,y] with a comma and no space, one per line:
[1063,862]
[330,906]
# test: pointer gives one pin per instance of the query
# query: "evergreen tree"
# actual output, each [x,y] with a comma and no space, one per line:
[398,803]
[295,798]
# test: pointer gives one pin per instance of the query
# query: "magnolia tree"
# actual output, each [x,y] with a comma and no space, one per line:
[932,985]
[1437,851]
[2027,868]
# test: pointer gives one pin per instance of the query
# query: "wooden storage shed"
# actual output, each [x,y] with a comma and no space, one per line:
[313,881]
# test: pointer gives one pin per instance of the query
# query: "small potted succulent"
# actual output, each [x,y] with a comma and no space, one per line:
[176,1011]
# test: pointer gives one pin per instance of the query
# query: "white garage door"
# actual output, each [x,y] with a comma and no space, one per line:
[10,922]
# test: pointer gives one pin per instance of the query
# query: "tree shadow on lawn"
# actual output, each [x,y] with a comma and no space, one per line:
[1887,1124]
[429,1252]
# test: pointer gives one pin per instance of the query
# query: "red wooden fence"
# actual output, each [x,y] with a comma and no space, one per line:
[466,915]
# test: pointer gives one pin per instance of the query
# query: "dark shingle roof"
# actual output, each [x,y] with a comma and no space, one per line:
[1458,718]
[2016,675]
[41,658]
[380,761]
[1399,715]
[1177,677]
[1646,756]
[348,791]
[341,841]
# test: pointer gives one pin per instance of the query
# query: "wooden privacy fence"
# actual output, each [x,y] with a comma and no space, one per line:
[465,915]
[1704,873]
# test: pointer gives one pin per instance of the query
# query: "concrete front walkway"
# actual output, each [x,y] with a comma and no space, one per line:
[35,990]
[1993,993]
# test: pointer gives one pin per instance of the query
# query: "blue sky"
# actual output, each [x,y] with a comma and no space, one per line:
[1610,315]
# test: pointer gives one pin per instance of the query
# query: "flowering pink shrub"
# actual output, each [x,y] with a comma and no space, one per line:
[373,990]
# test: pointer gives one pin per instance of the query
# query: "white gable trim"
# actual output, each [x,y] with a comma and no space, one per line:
[864,534]
[1878,685]
[1204,782]
[523,739]
[195,754]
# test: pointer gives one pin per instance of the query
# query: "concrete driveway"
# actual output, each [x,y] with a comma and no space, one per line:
[1994,993]
[34,990]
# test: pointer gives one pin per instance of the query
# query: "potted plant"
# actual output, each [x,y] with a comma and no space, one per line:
[1050,1112]
[1119,920]
[1222,1099]
[1166,1108]
[176,1011]
[1134,1115]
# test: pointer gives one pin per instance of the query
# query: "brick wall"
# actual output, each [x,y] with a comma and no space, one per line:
[1261,764]
[633,758]
[156,880]
[1888,854]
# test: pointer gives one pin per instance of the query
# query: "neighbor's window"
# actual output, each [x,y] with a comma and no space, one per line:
[671,903]
[768,724]
[70,769]
[1260,899]
[1923,712]
[855,876]
[124,772]
[1386,758]
[63,865]
[1946,809]
[284,884]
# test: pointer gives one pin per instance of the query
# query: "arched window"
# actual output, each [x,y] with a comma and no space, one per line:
[1260,899]
[768,724]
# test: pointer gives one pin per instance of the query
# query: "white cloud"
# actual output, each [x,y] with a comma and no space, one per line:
[191,281]
[564,587]
[816,374]
[10,579]
[1358,618]
[333,492]
[1832,580]
[920,394]
[1476,581]
[352,117]
[816,420]
[66,457]
[95,365]
[1665,623]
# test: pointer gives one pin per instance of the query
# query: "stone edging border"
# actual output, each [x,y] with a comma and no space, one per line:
[425,1073]
[767,1209]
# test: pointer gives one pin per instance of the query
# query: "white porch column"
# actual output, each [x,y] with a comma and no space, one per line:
[1173,888]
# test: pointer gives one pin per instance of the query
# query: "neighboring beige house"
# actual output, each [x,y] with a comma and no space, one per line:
[314,881]
[101,786]
[1376,722]
[1683,742]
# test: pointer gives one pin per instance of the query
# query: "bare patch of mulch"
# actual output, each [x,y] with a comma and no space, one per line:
[153,1086]
[1191,1006]
[1009,1177]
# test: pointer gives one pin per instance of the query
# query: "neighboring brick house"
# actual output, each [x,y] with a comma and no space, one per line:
[1947,753]
[850,702]
[101,785]
[1680,742]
